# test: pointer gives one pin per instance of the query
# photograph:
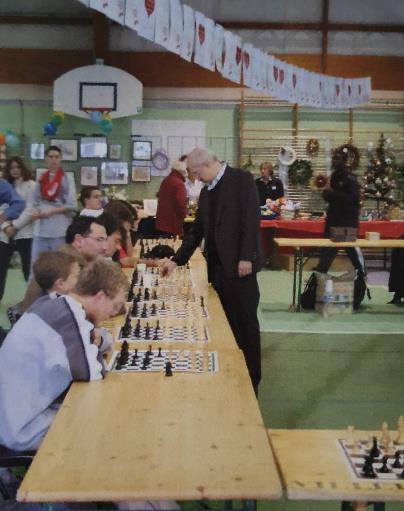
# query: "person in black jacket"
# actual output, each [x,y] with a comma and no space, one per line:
[228,218]
[268,186]
[343,197]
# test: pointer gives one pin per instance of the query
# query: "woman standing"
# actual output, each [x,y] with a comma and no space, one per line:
[16,235]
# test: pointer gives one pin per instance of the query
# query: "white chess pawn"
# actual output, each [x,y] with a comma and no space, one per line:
[350,437]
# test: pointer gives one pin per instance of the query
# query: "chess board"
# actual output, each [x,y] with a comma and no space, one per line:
[168,309]
[356,460]
[181,361]
[148,332]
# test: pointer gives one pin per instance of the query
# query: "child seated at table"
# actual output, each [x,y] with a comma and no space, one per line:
[56,272]
[49,348]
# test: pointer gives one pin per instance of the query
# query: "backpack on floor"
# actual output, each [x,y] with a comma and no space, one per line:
[308,297]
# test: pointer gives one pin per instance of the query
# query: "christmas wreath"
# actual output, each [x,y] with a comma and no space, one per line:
[300,172]
[312,147]
[348,153]
[319,182]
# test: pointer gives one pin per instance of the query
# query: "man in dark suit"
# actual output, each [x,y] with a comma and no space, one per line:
[228,218]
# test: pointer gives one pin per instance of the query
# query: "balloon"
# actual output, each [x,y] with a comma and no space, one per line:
[106,116]
[106,126]
[2,138]
[60,114]
[12,140]
[56,120]
[95,116]
[49,129]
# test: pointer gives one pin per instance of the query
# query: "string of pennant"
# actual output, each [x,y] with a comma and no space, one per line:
[195,37]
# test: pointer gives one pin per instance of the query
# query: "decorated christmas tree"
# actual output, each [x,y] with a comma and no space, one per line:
[379,179]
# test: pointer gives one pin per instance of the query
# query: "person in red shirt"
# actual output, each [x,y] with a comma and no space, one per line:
[172,201]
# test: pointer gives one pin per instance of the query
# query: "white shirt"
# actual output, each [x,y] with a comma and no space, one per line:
[91,212]
[193,189]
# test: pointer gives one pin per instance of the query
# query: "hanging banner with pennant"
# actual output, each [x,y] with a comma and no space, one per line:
[162,27]
[189,33]
[176,27]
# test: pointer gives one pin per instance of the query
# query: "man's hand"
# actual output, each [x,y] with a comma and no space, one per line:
[9,231]
[244,268]
[167,267]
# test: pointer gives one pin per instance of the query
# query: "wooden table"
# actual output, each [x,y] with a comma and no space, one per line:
[312,467]
[298,244]
[146,436]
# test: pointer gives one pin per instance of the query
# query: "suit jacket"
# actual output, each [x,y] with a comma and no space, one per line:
[237,223]
[172,204]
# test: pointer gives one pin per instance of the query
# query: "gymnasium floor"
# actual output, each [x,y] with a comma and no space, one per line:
[317,372]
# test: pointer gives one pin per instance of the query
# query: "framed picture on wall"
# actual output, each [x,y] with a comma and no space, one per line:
[69,148]
[93,147]
[114,173]
[141,174]
[115,151]
[37,151]
[89,176]
[142,150]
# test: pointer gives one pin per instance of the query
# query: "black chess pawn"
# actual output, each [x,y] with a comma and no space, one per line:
[154,294]
[384,469]
[163,306]
[397,462]
[139,295]
[367,469]
[136,332]
[202,302]
[124,347]
[147,331]
[374,451]
[157,282]
[141,281]
[135,355]
[153,309]
[134,309]
[156,334]
[144,311]
[127,327]
[130,294]
[147,294]
[149,352]
[159,355]
[169,368]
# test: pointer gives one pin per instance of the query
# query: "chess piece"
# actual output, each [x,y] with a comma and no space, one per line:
[350,438]
[127,327]
[153,309]
[144,311]
[367,470]
[384,469]
[134,310]
[130,294]
[374,451]
[159,355]
[147,331]
[169,366]
[163,306]
[154,294]
[385,439]
[397,462]
[136,354]
[400,431]
[147,294]
[137,329]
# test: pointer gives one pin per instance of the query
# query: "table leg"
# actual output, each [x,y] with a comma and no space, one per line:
[293,305]
[299,255]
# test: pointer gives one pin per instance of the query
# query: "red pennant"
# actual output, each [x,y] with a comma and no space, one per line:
[349,90]
[246,58]
[149,5]
[294,80]
[201,33]
[275,73]
[238,55]
[337,89]
[281,75]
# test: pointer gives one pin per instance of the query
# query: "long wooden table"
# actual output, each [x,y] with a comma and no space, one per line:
[298,244]
[147,436]
[313,467]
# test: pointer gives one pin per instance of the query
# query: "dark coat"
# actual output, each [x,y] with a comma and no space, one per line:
[237,223]
[396,278]
[343,201]
[172,204]
[273,189]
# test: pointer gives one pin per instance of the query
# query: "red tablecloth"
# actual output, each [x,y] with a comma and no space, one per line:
[388,229]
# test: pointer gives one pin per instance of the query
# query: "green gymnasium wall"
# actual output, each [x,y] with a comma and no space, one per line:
[27,118]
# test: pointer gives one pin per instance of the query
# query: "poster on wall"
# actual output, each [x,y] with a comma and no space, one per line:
[89,176]
[114,173]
